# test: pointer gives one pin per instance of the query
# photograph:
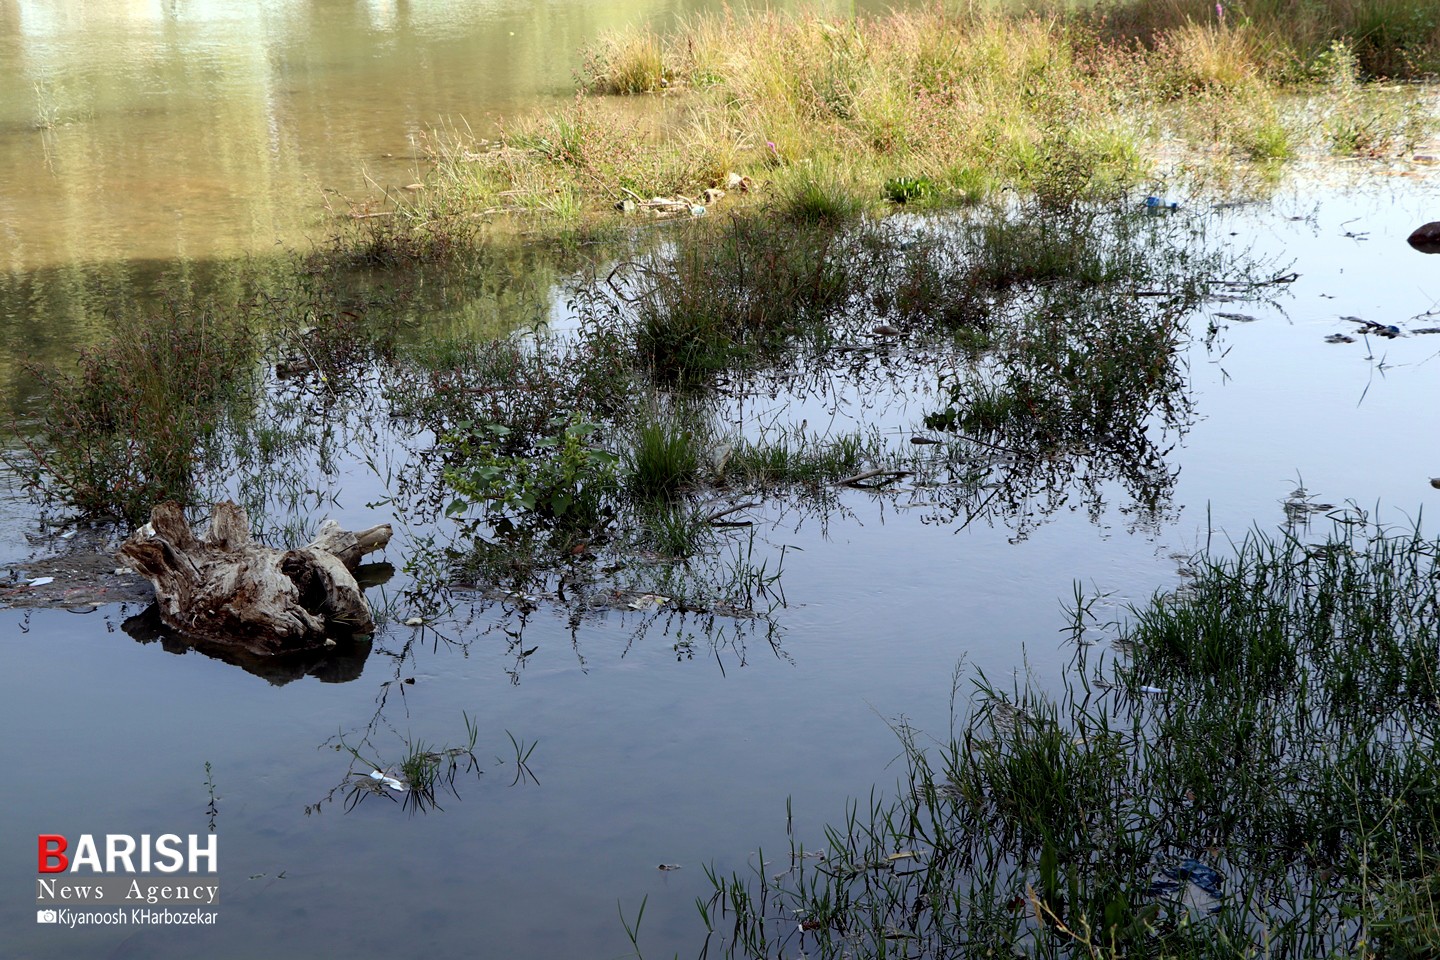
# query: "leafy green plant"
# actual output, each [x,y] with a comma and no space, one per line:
[563,479]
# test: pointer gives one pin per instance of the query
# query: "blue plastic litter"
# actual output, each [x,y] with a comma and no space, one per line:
[1193,871]
[1156,205]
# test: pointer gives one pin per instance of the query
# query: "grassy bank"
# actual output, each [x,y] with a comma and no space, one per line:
[1251,774]
[935,108]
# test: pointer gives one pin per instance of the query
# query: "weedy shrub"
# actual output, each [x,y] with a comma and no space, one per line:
[821,115]
[818,197]
[140,413]
[1254,775]
[563,479]
[1362,123]
[1194,58]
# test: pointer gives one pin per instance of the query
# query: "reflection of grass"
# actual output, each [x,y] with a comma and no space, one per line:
[142,409]
[1270,731]
[1056,326]
[790,458]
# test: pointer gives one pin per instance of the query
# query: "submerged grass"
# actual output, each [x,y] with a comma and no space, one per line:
[788,458]
[1255,776]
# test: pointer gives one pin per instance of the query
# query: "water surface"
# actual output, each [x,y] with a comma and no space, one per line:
[190,129]
[649,756]
[140,144]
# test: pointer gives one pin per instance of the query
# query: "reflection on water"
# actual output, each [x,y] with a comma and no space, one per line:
[341,666]
[178,129]
[647,757]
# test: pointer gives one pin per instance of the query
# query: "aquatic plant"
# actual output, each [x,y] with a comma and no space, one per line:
[664,456]
[563,478]
[1252,772]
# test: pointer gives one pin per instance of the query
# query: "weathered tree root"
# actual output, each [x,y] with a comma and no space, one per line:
[224,588]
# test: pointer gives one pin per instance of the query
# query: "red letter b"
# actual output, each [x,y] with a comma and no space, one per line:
[52,847]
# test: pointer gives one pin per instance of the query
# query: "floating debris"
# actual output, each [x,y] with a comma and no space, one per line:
[1339,338]
[1191,882]
[1387,330]
[648,601]
[387,781]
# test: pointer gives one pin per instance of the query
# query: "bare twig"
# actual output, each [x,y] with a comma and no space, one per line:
[729,510]
[888,475]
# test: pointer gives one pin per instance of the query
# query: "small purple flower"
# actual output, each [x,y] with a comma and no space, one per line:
[1220,12]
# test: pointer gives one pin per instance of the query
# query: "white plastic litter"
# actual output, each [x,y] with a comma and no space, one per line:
[390,782]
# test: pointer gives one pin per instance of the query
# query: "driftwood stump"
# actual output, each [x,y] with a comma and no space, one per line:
[224,588]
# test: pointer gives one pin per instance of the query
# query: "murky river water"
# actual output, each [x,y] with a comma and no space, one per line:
[644,756]
[171,128]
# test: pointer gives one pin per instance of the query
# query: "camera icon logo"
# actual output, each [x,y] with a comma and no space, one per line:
[46,916]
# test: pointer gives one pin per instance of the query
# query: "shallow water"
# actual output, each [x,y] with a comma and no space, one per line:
[646,757]
[158,129]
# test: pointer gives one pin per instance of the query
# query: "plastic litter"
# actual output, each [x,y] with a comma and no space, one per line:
[1154,204]
[41,581]
[387,781]
[1192,882]
[648,601]
[1193,871]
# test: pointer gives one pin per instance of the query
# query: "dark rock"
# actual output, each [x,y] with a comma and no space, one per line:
[1426,239]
